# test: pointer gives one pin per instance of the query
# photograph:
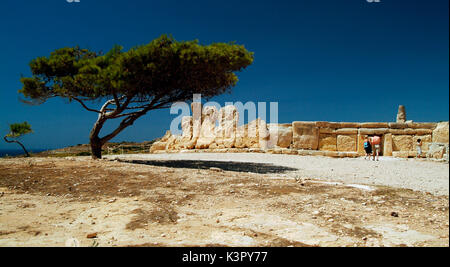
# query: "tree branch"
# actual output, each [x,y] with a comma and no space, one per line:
[84,106]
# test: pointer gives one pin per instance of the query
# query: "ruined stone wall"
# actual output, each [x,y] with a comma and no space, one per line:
[212,130]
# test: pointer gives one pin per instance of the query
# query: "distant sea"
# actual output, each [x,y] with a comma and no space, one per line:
[16,152]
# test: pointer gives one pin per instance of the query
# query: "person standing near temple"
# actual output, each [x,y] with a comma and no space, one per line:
[375,141]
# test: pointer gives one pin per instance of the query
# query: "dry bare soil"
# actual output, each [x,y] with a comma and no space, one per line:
[53,201]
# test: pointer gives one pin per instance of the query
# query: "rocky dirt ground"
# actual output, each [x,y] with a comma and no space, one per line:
[65,201]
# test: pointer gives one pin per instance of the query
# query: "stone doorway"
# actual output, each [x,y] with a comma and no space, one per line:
[381,144]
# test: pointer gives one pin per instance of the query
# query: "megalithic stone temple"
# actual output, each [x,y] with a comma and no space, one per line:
[212,130]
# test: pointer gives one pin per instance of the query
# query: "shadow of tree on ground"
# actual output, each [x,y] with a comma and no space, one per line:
[260,168]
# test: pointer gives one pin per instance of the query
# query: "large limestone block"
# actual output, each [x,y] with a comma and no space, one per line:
[251,136]
[403,143]
[323,124]
[347,131]
[374,125]
[406,131]
[172,142]
[422,125]
[436,151]
[346,143]
[263,135]
[387,145]
[207,132]
[368,131]
[158,146]
[360,146]
[349,125]
[328,142]
[186,126]
[231,119]
[248,136]
[440,134]
[226,131]
[283,134]
[337,125]
[186,137]
[327,130]
[161,144]
[241,136]
[196,119]
[305,135]
[395,125]
[423,131]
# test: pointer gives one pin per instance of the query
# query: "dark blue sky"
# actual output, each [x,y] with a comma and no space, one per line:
[346,60]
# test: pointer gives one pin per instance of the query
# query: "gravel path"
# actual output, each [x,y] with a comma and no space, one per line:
[413,174]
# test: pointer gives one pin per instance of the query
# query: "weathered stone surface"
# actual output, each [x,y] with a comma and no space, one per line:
[207,132]
[347,131]
[328,142]
[196,108]
[186,137]
[161,144]
[436,151]
[263,134]
[226,131]
[407,131]
[441,133]
[422,125]
[374,125]
[171,143]
[325,124]
[388,146]
[423,131]
[158,146]
[401,115]
[367,131]
[349,125]
[284,135]
[241,136]
[305,135]
[360,145]
[248,136]
[403,143]
[346,143]
[395,125]
[252,137]
[327,131]
[166,136]
[186,126]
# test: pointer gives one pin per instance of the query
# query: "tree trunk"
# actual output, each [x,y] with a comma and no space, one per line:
[96,147]
[15,141]
[95,141]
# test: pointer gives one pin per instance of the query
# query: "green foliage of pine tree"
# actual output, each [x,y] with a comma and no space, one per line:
[131,83]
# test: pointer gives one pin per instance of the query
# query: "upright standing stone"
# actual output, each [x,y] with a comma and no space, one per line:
[387,151]
[229,122]
[207,131]
[401,115]
[196,119]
